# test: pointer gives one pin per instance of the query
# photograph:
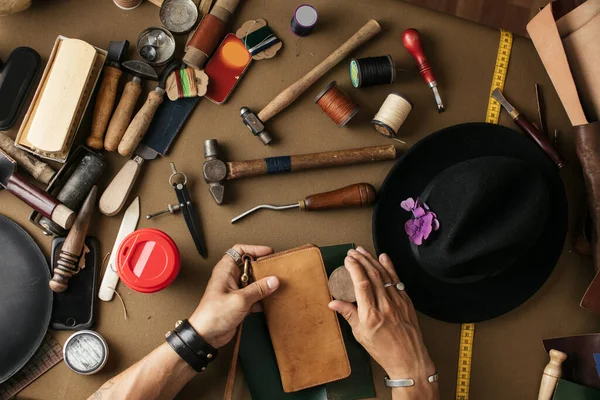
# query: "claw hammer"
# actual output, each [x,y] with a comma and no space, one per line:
[216,172]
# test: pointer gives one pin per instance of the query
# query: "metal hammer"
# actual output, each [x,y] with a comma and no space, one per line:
[256,122]
[216,171]
[36,198]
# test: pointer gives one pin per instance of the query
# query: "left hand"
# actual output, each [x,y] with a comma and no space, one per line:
[224,305]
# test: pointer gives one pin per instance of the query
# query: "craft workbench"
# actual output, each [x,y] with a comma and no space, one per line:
[508,355]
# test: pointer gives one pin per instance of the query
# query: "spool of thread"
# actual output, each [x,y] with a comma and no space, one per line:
[336,104]
[259,40]
[371,71]
[209,33]
[391,115]
[304,20]
[127,4]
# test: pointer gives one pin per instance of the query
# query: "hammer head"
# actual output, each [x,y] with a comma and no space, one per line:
[116,52]
[255,125]
[214,170]
[140,69]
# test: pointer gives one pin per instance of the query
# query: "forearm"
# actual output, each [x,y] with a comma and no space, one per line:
[428,391]
[159,375]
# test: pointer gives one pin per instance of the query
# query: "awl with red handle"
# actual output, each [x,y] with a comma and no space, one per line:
[357,195]
[412,41]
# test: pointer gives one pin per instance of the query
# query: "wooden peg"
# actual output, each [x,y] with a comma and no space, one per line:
[552,374]
[70,254]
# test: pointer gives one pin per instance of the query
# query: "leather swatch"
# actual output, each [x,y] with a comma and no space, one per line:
[580,365]
[305,333]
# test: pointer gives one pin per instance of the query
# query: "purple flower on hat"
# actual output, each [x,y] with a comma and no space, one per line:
[424,221]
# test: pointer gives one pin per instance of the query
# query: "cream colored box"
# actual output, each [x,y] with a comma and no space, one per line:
[60,101]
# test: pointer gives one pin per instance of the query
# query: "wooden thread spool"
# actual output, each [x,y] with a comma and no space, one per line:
[552,374]
[336,104]
[127,4]
[391,115]
[371,71]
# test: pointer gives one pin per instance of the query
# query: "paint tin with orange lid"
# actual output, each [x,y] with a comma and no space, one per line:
[148,260]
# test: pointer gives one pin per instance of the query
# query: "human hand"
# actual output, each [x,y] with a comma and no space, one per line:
[224,305]
[385,322]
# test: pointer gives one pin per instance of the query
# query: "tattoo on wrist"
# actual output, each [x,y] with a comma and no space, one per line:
[99,394]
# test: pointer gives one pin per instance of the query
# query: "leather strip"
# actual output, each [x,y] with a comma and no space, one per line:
[277,165]
[232,369]
[185,352]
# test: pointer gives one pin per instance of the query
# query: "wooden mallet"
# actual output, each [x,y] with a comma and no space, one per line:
[256,122]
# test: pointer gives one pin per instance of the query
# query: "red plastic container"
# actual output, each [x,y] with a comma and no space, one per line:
[148,260]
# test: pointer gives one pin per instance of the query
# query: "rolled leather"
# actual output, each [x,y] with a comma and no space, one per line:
[587,145]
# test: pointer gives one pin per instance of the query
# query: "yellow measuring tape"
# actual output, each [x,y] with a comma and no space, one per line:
[493,111]
[464,361]
[467,331]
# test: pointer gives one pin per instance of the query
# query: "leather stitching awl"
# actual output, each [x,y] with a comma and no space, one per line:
[216,171]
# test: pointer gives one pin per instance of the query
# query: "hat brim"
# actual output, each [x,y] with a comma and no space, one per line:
[492,296]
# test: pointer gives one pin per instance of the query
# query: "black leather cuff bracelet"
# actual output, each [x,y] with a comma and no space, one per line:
[185,352]
[189,336]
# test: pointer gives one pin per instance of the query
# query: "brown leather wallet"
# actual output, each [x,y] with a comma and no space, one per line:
[305,333]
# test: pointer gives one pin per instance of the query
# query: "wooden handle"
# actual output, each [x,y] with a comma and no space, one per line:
[122,115]
[273,165]
[552,374]
[116,193]
[412,41]
[67,264]
[285,98]
[541,139]
[41,171]
[105,102]
[138,127]
[357,195]
[40,201]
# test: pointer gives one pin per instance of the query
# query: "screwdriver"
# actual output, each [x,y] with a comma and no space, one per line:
[357,195]
[412,41]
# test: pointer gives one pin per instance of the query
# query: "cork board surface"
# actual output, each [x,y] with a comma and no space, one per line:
[508,354]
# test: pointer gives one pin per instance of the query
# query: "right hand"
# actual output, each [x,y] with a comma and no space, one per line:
[384,321]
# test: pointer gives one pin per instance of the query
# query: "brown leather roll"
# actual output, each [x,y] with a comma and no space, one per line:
[209,33]
[587,144]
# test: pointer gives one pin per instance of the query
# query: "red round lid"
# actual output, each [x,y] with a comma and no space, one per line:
[147,260]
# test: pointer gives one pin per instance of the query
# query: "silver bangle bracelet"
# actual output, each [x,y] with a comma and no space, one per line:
[395,383]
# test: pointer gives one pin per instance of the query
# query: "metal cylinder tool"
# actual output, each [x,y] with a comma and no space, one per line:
[356,195]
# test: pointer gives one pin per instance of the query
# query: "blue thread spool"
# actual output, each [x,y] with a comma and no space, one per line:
[304,20]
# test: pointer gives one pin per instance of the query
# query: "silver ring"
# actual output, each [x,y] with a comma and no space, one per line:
[400,286]
[237,258]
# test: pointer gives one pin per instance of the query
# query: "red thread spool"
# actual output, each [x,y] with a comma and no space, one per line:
[336,104]
[204,41]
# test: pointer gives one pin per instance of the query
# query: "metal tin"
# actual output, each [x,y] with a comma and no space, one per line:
[161,40]
[85,352]
[178,16]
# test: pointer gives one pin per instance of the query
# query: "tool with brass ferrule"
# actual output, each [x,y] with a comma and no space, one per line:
[529,129]
[357,195]
[412,41]
[179,180]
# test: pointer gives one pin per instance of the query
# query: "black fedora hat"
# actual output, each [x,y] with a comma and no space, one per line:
[502,213]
